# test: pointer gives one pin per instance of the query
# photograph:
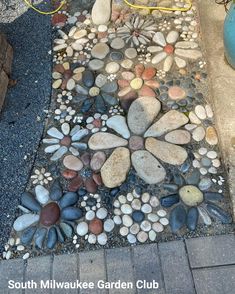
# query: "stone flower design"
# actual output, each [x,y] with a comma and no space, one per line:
[96,226]
[143,134]
[137,84]
[189,202]
[137,31]
[65,78]
[139,216]
[97,123]
[171,50]
[91,93]
[91,202]
[50,215]
[41,176]
[64,141]
[206,161]
[64,113]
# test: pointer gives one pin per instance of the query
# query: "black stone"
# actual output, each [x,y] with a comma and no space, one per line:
[116,56]
[88,78]
[68,199]
[39,237]
[219,213]
[29,201]
[56,191]
[100,105]
[192,218]
[170,200]
[27,235]
[59,235]
[51,238]
[71,213]
[138,216]
[178,218]
[114,192]
[213,196]
[81,192]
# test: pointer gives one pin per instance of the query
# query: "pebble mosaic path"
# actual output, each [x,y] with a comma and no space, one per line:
[130,152]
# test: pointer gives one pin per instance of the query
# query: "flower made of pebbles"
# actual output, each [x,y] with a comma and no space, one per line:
[97,123]
[64,113]
[137,31]
[139,216]
[137,84]
[66,78]
[41,176]
[96,92]
[147,137]
[206,161]
[96,226]
[171,50]
[49,216]
[65,141]
[178,93]
[189,202]
[201,125]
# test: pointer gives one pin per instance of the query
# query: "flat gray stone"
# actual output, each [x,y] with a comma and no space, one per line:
[211,251]
[218,280]
[11,270]
[92,269]
[66,273]
[148,267]
[175,268]
[38,269]
[119,267]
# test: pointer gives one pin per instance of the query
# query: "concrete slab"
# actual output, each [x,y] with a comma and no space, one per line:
[221,77]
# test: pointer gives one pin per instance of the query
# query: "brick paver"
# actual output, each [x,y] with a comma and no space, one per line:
[196,266]
[175,266]
[211,251]
[218,280]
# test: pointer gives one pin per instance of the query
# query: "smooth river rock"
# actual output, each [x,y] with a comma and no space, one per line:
[101,12]
[101,141]
[166,152]
[24,221]
[142,113]
[170,121]
[179,137]
[118,124]
[191,195]
[148,167]
[116,168]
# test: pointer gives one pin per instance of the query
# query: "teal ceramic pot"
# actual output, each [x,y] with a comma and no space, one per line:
[229,35]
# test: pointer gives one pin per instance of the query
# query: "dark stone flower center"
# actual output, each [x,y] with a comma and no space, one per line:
[50,214]
[96,226]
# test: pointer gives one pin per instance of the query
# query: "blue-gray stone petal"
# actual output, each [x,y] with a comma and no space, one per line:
[29,201]
[192,218]
[178,218]
[68,199]
[27,235]
[56,191]
[51,238]
[71,213]
[39,237]
[218,213]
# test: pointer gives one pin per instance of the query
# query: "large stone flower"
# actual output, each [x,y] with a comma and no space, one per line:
[49,216]
[137,31]
[143,135]
[64,141]
[171,50]
[189,202]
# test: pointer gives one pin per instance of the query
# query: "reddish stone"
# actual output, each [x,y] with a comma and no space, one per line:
[68,74]
[153,84]
[96,226]
[123,83]
[59,68]
[59,19]
[75,184]
[97,178]
[66,141]
[169,49]
[127,75]
[102,35]
[176,93]
[90,185]
[50,214]
[128,99]
[64,84]
[97,123]
[69,174]
[139,69]
[136,143]
[85,158]
[149,73]
[97,161]
[81,18]
[146,91]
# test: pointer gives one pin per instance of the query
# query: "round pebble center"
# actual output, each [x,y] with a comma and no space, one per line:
[176,93]
[191,195]
[169,49]
[96,226]
[136,143]
[136,83]
[66,141]
[50,214]
[138,216]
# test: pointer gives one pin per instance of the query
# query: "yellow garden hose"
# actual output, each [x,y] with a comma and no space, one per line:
[160,8]
[45,12]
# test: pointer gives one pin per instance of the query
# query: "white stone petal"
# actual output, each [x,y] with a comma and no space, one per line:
[65,128]
[59,153]
[159,57]
[119,125]
[53,132]
[180,62]
[186,45]
[189,54]
[101,141]
[51,141]
[52,148]
[168,63]
[159,39]
[172,37]
[24,221]
[80,134]
[42,194]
